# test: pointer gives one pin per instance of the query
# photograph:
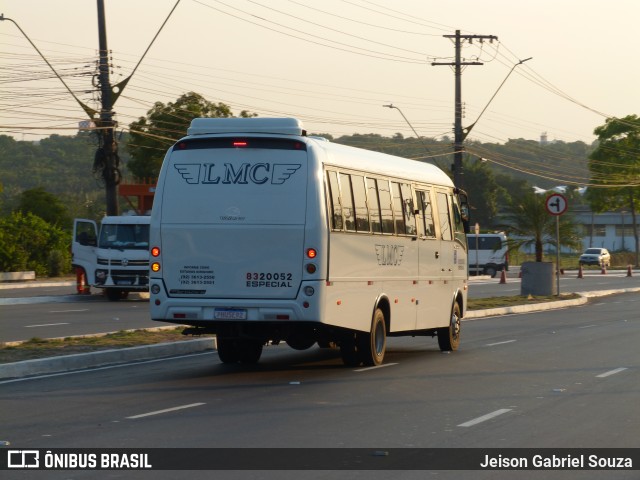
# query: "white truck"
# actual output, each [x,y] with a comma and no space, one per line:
[114,257]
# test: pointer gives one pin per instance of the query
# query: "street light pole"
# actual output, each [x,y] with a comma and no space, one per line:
[391,105]
[468,129]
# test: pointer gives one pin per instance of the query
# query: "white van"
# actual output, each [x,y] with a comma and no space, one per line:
[488,253]
[261,234]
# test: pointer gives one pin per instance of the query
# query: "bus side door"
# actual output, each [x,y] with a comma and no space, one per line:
[429,260]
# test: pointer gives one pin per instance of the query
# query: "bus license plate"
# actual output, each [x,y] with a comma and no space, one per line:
[229,314]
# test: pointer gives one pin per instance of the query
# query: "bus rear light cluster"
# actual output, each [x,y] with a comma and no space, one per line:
[311,253]
[155,253]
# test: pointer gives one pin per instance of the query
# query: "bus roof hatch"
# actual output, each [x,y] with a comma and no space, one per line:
[282,126]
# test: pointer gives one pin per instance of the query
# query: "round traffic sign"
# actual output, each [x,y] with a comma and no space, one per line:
[556,204]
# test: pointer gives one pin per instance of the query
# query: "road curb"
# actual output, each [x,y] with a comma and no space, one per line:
[534,307]
[33,284]
[83,361]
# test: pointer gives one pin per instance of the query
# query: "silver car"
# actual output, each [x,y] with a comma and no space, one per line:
[596,256]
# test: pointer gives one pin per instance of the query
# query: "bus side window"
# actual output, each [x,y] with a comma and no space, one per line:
[425,209]
[407,202]
[374,205]
[360,201]
[398,208]
[457,221]
[445,218]
[384,194]
[457,217]
[347,202]
[334,199]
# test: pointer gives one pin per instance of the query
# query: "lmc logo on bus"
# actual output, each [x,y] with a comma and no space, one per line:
[389,254]
[258,173]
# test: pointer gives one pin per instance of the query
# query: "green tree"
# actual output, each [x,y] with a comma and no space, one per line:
[46,206]
[151,136]
[482,189]
[528,223]
[615,169]
[27,242]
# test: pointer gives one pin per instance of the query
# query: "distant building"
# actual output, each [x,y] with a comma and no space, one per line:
[610,230]
[543,138]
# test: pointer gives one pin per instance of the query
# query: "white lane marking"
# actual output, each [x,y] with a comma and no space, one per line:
[166,410]
[611,372]
[376,367]
[484,418]
[45,325]
[500,343]
[588,326]
[69,311]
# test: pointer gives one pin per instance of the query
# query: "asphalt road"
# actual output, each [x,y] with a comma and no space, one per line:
[561,378]
[51,311]
[63,316]
[593,280]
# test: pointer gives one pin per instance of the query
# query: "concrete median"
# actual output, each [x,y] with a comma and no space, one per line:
[82,361]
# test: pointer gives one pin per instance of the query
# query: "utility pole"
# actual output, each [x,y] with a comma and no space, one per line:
[106,159]
[458,147]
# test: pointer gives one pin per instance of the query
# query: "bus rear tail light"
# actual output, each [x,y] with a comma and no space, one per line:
[155,252]
[311,253]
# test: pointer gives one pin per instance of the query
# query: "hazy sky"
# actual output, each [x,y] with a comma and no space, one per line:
[332,63]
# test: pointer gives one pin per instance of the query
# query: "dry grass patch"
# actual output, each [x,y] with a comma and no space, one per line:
[42,348]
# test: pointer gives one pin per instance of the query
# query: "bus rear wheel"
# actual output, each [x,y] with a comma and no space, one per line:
[349,351]
[227,351]
[250,351]
[373,346]
[449,337]
[232,350]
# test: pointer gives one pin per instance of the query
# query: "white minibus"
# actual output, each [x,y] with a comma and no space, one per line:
[261,234]
[488,253]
